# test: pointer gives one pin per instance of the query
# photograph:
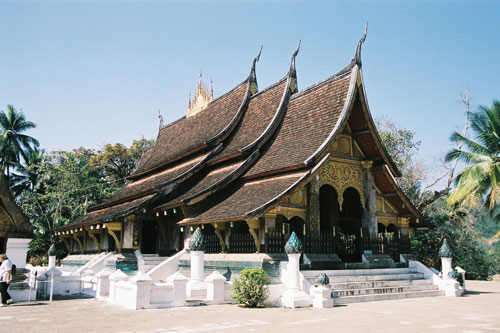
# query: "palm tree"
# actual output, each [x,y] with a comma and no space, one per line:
[480,179]
[26,176]
[14,144]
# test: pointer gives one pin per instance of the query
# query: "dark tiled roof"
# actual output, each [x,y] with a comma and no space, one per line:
[247,198]
[189,133]
[144,158]
[310,118]
[98,215]
[210,179]
[259,114]
[146,184]
[10,211]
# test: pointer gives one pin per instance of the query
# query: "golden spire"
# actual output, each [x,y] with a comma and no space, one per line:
[201,99]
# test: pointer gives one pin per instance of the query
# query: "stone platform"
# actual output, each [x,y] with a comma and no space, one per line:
[477,311]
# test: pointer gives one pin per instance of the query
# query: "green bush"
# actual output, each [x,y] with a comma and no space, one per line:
[250,288]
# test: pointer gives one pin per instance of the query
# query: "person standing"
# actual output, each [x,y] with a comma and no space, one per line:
[5,278]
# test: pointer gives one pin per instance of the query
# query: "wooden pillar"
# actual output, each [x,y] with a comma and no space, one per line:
[369,215]
[313,209]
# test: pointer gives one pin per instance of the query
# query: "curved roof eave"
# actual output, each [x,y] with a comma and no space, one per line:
[403,196]
[373,129]
[342,119]
[274,202]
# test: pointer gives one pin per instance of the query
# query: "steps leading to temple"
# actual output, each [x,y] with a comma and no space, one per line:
[152,260]
[74,261]
[366,285]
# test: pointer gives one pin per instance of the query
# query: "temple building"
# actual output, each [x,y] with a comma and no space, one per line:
[15,226]
[252,166]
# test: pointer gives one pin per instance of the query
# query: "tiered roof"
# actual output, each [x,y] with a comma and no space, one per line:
[13,222]
[247,150]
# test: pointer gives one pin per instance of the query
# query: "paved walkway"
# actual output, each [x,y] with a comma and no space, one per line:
[477,311]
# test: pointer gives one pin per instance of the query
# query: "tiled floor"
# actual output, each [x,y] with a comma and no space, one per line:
[477,311]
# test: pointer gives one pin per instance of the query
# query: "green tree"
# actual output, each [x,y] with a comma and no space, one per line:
[458,225]
[480,179]
[401,145]
[117,161]
[26,176]
[59,186]
[14,145]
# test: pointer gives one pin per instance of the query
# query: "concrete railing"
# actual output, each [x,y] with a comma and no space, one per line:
[450,286]
[167,268]
[96,264]
[140,261]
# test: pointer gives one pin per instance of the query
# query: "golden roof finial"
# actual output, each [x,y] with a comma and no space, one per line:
[201,98]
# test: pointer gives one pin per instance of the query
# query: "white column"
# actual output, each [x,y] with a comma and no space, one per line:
[197,265]
[446,267]
[196,287]
[293,271]
[294,296]
[17,250]
[52,261]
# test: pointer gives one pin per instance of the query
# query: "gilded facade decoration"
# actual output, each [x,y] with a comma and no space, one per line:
[342,145]
[298,198]
[253,88]
[314,209]
[404,222]
[136,236]
[386,220]
[342,176]
[288,212]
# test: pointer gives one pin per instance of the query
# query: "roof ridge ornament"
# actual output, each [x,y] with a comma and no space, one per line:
[292,74]
[161,118]
[294,55]
[357,57]
[253,78]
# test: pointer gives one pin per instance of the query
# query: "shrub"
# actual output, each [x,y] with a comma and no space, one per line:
[250,288]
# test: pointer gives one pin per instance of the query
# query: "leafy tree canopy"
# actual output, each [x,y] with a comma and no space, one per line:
[14,145]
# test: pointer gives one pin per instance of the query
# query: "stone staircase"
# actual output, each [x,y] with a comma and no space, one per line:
[366,285]
[152,260]
[19,288]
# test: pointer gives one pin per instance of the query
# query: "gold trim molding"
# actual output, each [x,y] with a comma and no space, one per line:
[341,176]
[288,212]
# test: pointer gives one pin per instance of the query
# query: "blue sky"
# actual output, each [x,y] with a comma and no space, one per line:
[93,72]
